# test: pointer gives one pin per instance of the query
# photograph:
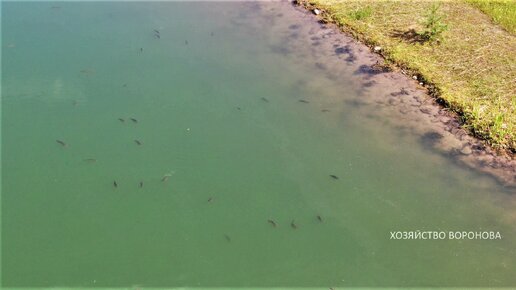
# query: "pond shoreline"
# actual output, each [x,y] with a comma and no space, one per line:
[447,137]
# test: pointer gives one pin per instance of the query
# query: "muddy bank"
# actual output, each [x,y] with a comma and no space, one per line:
[387,96]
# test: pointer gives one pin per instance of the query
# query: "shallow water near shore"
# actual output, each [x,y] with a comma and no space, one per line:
[243,112]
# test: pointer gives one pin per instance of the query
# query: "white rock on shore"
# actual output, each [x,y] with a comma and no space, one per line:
[466,150]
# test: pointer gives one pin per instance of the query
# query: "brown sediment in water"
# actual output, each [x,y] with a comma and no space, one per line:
[412,106]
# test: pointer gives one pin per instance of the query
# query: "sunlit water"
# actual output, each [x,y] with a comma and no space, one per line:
[216,98]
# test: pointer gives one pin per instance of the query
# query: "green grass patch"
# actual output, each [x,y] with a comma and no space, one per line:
[503,12]
[361,13]
[472,65]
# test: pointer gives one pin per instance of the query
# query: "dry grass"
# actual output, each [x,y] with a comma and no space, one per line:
[473,67]
[503,12]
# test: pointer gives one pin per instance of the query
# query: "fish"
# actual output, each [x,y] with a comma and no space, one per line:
[210,199]
[334,176]
[293,225]
[141,49]
[157,31]
[115,184]
[157,36]
[319,218]
[137,142]
[265,99]
[124,85]
[186,42]
[238,108]
[121,120]
[93,160]
[134,120]
[141,184]
[325,110]
[62,143]
[273,223]
[87,71]
[167,175]
[228,239]
[212,34]
[304,101]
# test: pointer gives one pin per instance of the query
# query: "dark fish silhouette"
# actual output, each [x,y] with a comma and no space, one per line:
[90,160]
[141,184]
[304,101]
[273,223]
[157,36]
[319,218]
[134,120]
[212,34]
[157,31]
[141,49]
[210,199]
[228,239]
[121,120]
[265,99]
[186,42]
[137,142]
[165,178]
[325,110]
[62,143]
[238,108]
[115,184]
[293,225]
[124,85]
[87,71]
[334,176]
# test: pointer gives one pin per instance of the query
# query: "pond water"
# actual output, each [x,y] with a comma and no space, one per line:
[258,156]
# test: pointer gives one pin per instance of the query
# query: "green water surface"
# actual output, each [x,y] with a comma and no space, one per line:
[232,161]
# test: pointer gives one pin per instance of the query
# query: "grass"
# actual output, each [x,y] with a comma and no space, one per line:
[471,69]
[360,13]
[503,12]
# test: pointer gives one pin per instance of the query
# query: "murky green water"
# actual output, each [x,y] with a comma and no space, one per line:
[235,160]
